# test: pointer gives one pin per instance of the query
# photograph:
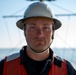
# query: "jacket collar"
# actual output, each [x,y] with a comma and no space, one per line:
[24,56]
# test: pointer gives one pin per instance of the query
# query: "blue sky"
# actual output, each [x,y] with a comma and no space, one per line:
[12,37]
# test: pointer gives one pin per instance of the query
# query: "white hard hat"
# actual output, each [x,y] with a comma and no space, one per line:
[38,9]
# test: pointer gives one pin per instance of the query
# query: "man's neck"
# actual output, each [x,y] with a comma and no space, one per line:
[37,56]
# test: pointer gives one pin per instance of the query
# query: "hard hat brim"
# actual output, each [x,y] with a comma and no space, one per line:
[20,24]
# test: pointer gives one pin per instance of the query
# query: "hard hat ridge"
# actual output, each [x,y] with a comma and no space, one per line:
[37,9]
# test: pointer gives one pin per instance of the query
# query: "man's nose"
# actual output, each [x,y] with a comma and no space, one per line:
[40,32]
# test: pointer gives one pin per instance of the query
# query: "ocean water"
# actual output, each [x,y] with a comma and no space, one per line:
[7,51]
[65,53]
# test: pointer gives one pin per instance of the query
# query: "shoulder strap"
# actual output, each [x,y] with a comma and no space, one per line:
[12,66]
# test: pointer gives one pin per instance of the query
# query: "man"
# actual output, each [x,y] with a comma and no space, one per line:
[37,58]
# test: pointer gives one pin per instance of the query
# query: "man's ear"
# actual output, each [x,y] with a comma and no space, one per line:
[52,34]
[52,37]
[53,29]
[24,29]
[24,33]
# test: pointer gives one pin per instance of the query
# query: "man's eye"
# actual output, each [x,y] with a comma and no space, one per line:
[46,28]
[32,27]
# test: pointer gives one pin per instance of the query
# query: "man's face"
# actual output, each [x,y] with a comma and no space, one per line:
[38,33]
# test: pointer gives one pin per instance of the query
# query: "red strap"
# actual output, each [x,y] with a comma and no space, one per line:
[55,70]
[65,67]
[52,70]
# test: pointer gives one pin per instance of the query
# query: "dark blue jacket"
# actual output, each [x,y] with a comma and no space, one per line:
[35,67]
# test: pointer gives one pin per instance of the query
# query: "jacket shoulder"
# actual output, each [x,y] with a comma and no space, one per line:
[1,66]
[70,68]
